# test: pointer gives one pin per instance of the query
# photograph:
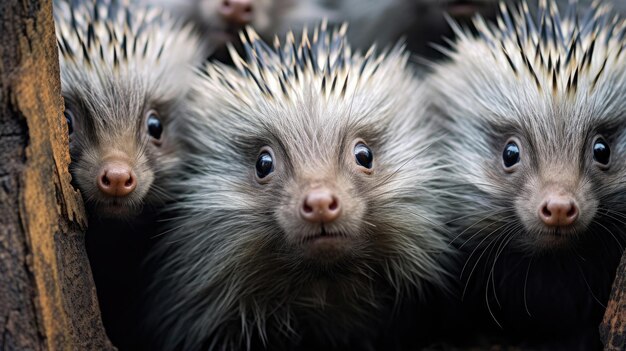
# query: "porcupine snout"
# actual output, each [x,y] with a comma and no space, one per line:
[116,179]
[558,209]
[320,205]
[237,12]
[558,204]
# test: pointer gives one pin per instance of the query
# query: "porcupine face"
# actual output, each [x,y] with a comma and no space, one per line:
[221,20]
[226,18]
[323,150]
[122,75]
[312,181]
[537,114]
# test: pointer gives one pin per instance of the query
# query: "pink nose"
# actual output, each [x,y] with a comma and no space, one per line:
[558,210]
[320,206]
[237,12]
[116,179]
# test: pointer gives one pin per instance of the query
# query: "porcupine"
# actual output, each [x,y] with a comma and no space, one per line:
[420,21]
[309,212]
[536,115]
[123,79]
[221,20]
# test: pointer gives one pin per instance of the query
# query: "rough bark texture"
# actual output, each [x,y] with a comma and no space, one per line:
[47,297]
[613,328]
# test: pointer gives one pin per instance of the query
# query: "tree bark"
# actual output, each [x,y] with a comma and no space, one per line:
[613,328]
[47,296]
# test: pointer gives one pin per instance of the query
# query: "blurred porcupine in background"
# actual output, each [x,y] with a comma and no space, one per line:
[221,20]
[124,73]
[536,112]
[308,209]
[383,22]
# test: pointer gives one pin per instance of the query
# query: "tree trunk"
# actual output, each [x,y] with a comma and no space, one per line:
[47,296]
[613,328]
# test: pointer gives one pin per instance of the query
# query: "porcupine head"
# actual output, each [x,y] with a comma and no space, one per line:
[222,19]
[311,200]
[123,77]
[537,113]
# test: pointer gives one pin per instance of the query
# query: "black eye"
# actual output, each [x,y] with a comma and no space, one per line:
[363,155]
[601,152]
[70,121]
[510,156]
[264,164]
[155,128]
